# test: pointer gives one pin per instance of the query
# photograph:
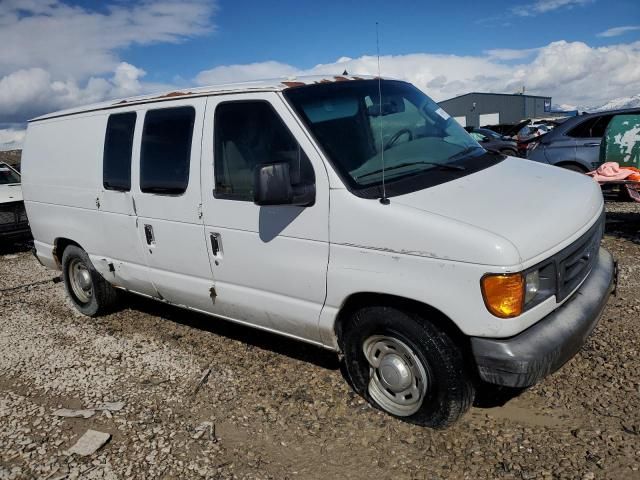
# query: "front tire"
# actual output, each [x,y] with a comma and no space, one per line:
[404,365]
[89,292]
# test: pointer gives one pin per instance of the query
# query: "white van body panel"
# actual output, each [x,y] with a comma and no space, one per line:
[503,200]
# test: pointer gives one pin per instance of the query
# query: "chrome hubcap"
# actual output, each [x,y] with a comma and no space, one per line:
[80,280]
[398,381]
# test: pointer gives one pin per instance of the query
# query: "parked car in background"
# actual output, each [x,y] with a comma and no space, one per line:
[507,129]
[574,144]
[491,140]
[527,134]
[13,218]
[534,130]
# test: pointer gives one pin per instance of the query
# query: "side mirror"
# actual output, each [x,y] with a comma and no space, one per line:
[272,186]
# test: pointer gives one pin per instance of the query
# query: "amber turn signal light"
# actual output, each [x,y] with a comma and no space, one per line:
[504,294]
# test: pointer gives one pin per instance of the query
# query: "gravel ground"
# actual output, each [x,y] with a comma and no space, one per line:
[208,399]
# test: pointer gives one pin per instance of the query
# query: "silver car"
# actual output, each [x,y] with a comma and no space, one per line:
[575,143]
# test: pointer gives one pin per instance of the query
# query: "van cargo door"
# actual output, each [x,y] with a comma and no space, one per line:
[167,199]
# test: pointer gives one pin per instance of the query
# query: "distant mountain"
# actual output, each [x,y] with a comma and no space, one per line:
[618,103]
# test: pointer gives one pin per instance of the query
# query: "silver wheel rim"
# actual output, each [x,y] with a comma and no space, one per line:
[80,280]
[398,380]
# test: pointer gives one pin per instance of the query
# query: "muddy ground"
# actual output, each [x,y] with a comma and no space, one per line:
[274,408]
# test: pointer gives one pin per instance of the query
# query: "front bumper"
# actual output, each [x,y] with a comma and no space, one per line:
[526,358]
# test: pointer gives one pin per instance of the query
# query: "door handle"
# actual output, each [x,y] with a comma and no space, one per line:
[216,243]
[148,233]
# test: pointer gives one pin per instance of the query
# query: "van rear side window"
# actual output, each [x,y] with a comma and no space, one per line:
[118,143]
[166,150]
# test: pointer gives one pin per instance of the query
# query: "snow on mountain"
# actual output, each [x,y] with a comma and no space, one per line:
[622,102]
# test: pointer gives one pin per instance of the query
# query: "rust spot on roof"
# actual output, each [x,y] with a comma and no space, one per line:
[174,94]
[341,79]
[294,84]
[120,102]
[324,80]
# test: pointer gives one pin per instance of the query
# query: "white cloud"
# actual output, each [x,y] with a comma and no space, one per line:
[617,31]
[11,138]
[510,53]
[30,92]
[571,72]
[250,71]
[58,55]
[544,6]
[73,41]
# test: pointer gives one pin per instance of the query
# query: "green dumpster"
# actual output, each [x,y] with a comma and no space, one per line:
[621,141]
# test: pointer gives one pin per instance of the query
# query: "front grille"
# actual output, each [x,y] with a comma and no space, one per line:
[7,218]
[574,263]
[12,216]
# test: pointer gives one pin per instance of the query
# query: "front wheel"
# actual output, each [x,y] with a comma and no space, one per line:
[89,292]
[402,364]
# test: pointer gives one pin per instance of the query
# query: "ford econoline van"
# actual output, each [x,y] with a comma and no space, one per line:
[352,213]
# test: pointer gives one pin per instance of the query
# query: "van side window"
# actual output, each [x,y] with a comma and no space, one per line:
[248,134]
[166,150]
[116,159]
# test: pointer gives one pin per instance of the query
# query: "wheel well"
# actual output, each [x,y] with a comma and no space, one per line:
[59,246]
[435,316]
[571,164]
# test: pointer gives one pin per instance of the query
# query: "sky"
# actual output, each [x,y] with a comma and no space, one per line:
[63,53]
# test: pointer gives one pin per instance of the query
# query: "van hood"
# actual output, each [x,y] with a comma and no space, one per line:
[10,193]
[535,207]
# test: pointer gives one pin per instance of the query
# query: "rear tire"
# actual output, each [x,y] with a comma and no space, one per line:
[404,365]
[89,292]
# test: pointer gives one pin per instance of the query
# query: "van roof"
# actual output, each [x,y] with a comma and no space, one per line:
[271,85]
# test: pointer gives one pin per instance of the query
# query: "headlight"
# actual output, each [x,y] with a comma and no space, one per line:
[531,285]
[504,294]
[508,295]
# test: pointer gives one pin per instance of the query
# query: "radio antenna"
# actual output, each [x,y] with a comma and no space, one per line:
[384,200]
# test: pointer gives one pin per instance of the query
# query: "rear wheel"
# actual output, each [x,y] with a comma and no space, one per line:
[402,364]
[89,292]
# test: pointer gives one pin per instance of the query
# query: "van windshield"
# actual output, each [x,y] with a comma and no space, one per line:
[420,143]
[8,176]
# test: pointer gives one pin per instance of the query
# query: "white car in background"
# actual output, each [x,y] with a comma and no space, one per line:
[13,217]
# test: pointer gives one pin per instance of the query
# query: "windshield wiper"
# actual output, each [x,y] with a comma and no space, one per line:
[441,166]
[464,152]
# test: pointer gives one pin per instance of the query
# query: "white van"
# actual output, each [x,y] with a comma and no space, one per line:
[370,224]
